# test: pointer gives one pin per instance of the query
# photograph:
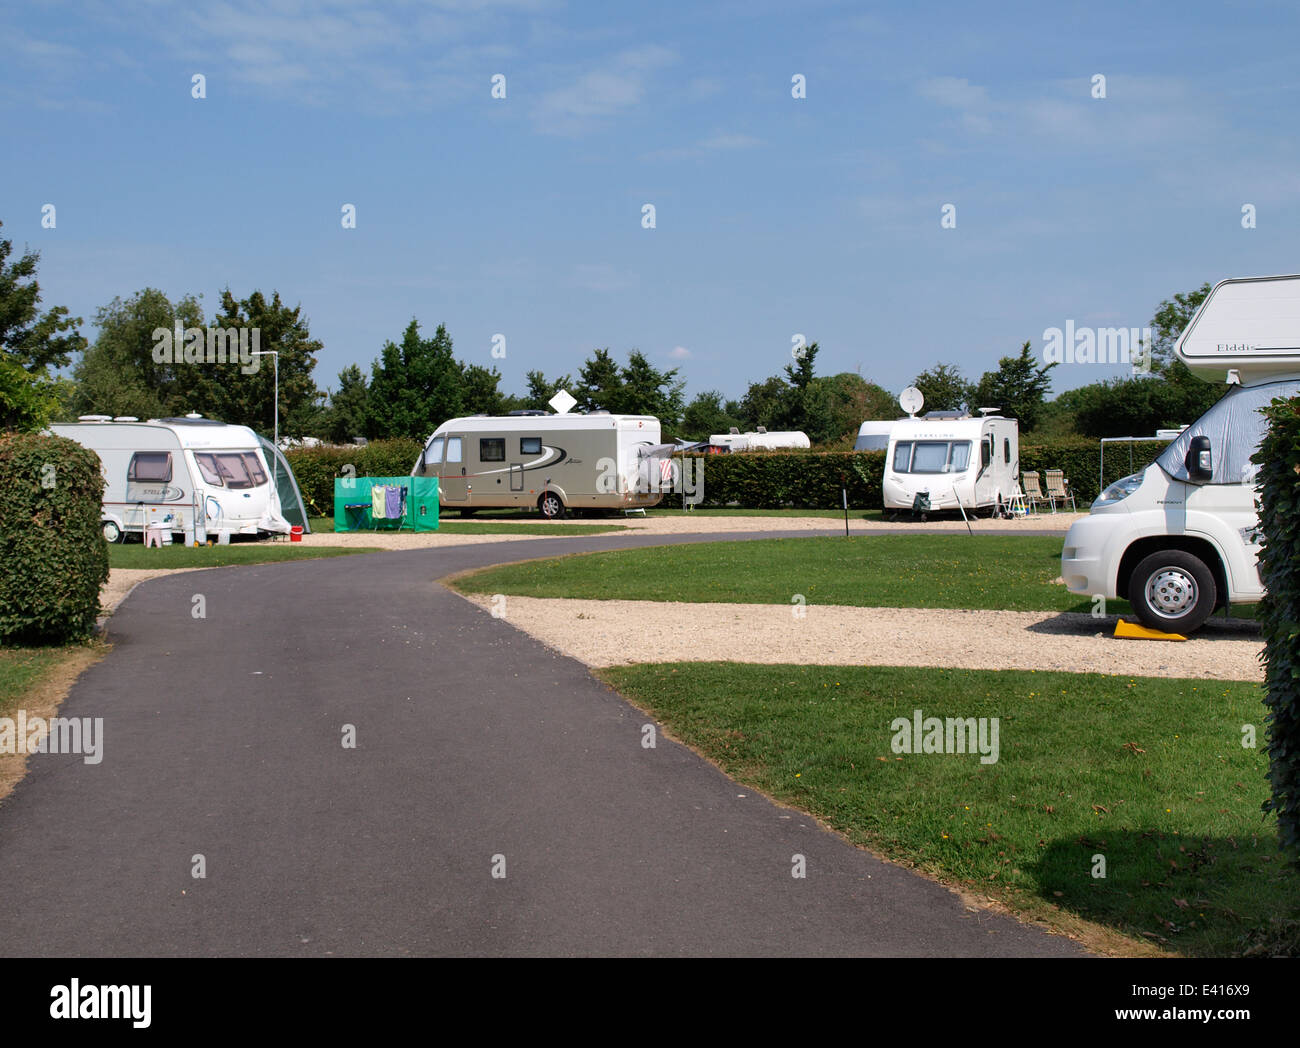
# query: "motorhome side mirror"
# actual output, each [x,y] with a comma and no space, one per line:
[1199,461]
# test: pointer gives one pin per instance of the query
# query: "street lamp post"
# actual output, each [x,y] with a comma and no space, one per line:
[276,354]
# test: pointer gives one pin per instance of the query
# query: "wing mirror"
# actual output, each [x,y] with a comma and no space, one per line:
[1200,461]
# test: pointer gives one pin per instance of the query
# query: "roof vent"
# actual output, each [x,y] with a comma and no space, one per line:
[126,418]
[94,418]
[192,414]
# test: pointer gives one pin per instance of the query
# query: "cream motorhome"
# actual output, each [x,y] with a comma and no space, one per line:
[189,475]
[1181,537]
[553,462]
[957,462]
[873,435]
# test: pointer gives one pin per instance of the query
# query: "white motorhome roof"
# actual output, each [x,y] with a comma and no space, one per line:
[937,428]
[187,433]
[876,427]
[1247,324]
[532,423]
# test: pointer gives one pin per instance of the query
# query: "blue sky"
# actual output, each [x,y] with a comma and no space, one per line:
[774,215]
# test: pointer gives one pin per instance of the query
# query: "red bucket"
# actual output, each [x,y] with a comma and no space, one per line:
[295,533]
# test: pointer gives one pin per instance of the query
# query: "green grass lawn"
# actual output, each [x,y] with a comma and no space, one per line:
[1150,774]
[20,668]
[136,555]
[1012,572]
[497,525]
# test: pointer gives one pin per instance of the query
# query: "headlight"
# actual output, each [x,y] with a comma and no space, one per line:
[1121,489]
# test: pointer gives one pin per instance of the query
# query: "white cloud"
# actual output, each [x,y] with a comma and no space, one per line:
[680,353]
[600,94]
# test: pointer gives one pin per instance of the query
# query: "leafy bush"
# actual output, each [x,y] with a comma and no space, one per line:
[811,479]
[1278,459]
[317,467]
[53,557]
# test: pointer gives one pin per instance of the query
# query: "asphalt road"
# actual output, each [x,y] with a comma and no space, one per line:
[223,739]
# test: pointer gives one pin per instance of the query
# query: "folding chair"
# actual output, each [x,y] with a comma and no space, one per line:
[1058,488]
[1034,493]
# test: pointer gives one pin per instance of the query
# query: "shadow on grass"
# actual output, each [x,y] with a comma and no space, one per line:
[1190,894]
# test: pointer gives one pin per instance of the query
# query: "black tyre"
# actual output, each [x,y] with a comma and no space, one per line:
[1172,591]
[551,505]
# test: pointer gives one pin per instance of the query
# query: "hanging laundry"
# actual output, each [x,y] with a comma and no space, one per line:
[394,501]
[378,503]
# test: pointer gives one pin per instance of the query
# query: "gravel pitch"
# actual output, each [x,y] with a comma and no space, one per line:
[619,632]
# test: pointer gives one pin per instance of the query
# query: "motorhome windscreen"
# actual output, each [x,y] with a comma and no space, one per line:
[931,456]
[1235,428]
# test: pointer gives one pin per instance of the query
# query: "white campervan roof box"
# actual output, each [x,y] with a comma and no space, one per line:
[1250,325]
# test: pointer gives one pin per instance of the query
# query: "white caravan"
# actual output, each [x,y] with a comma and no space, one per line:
[873,435]
[957,462]
[553,462]
[1181,537]
[760,440]
[191,475]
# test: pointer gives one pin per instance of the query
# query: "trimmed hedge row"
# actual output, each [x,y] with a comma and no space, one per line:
[1278,459]
[53,557]
[811,479]
[316,468]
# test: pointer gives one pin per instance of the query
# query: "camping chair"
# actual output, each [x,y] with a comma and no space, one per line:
[1034,493]
[1058,488]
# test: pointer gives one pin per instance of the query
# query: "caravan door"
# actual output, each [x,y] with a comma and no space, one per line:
[453,481]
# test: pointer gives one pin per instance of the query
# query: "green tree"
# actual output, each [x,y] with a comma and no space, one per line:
[600,384]
[348,406]
[118,375]
[1172,317]
[648,391]
[1017,387]
[31,343]
[414,386]
[765,404]
[540,390]
[226,392]
[480,390]
[705,415]
[944,388]
[842,403]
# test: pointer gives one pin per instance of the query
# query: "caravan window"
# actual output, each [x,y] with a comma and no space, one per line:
[492,449]
[150,467]
[231,466]
[453,449]
[932,456]
[254,466]
[433,457]
[208,467]
[530,445]
[986,452]
[1006,449]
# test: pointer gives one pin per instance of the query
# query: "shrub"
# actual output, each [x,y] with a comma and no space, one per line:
[316,468]
[53,557]
[811,479]
[1278,459]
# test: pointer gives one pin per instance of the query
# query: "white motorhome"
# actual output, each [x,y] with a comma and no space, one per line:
[553,462]
[957,462]
[873,435]
[188,475]
[1181,537]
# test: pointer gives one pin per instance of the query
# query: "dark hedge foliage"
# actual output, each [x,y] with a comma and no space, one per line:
[811,479]
[1278,459]
[316,468]
[53,557]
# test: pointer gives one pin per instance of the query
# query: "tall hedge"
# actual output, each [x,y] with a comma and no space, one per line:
[1278,459]
[811,479]
[317,467]
[53,557]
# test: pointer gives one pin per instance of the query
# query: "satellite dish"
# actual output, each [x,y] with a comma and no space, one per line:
[910,400]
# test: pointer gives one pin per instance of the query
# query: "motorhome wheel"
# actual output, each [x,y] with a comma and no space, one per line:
[112,533]
[1172,591]
[551,505]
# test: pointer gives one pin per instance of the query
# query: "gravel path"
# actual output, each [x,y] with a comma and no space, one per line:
[618,632]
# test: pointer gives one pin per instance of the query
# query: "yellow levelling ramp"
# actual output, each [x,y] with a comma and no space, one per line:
[1133,631]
